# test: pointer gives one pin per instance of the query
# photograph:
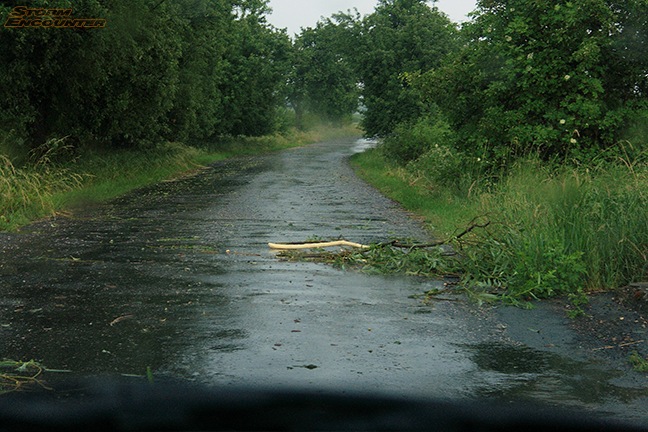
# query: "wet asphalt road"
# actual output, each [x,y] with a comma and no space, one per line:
[178,278]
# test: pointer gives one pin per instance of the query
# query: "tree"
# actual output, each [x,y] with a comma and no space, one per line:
[185,69]
[257,59]
[323,78]
[400,37]
[198,107]
[140,52]
[88,83]
[557,78]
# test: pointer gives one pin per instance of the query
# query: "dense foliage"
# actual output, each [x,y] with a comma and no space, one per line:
[159,70]
[557,79]
[537,124]
[400,37]
[323,79]
[347,57]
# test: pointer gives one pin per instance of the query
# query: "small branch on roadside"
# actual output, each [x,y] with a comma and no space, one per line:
[472,226]
[627,344]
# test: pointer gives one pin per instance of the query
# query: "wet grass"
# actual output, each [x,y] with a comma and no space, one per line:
[19,376]
[552,230]
[563,222]
[59,178]
[27,193]
[444,213]
[639,363]
[110,174]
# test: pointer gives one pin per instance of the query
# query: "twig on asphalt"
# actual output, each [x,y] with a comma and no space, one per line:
[619,346]
[473,225]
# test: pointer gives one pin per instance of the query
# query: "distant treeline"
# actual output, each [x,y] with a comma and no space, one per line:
[555,78]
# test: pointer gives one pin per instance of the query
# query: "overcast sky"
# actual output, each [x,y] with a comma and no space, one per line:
[294,14]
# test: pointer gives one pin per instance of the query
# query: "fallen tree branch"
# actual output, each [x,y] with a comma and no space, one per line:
[623,345]
[315,245]
[465,232]
[394,243]
[471,228]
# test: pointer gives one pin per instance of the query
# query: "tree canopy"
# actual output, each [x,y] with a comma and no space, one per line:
[323,79]
[186,69]
[347,56]
[555,78]
[401,36]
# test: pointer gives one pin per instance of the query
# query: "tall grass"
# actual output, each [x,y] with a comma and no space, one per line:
[54,183]
[27,193]
[555,230]
[443,211]
[568,229]
[108,174]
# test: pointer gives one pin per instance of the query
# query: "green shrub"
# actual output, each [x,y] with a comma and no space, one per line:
[410,141]
[13,147]
[462,174]
[638,362]
[440,164]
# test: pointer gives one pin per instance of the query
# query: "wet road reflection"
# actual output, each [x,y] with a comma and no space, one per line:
[178,278]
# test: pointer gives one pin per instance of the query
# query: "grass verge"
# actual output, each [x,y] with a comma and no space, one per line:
[551,231]
[60,179]
[443,212]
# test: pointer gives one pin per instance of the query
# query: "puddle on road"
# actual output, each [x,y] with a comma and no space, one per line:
[517,372]
[364,144]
